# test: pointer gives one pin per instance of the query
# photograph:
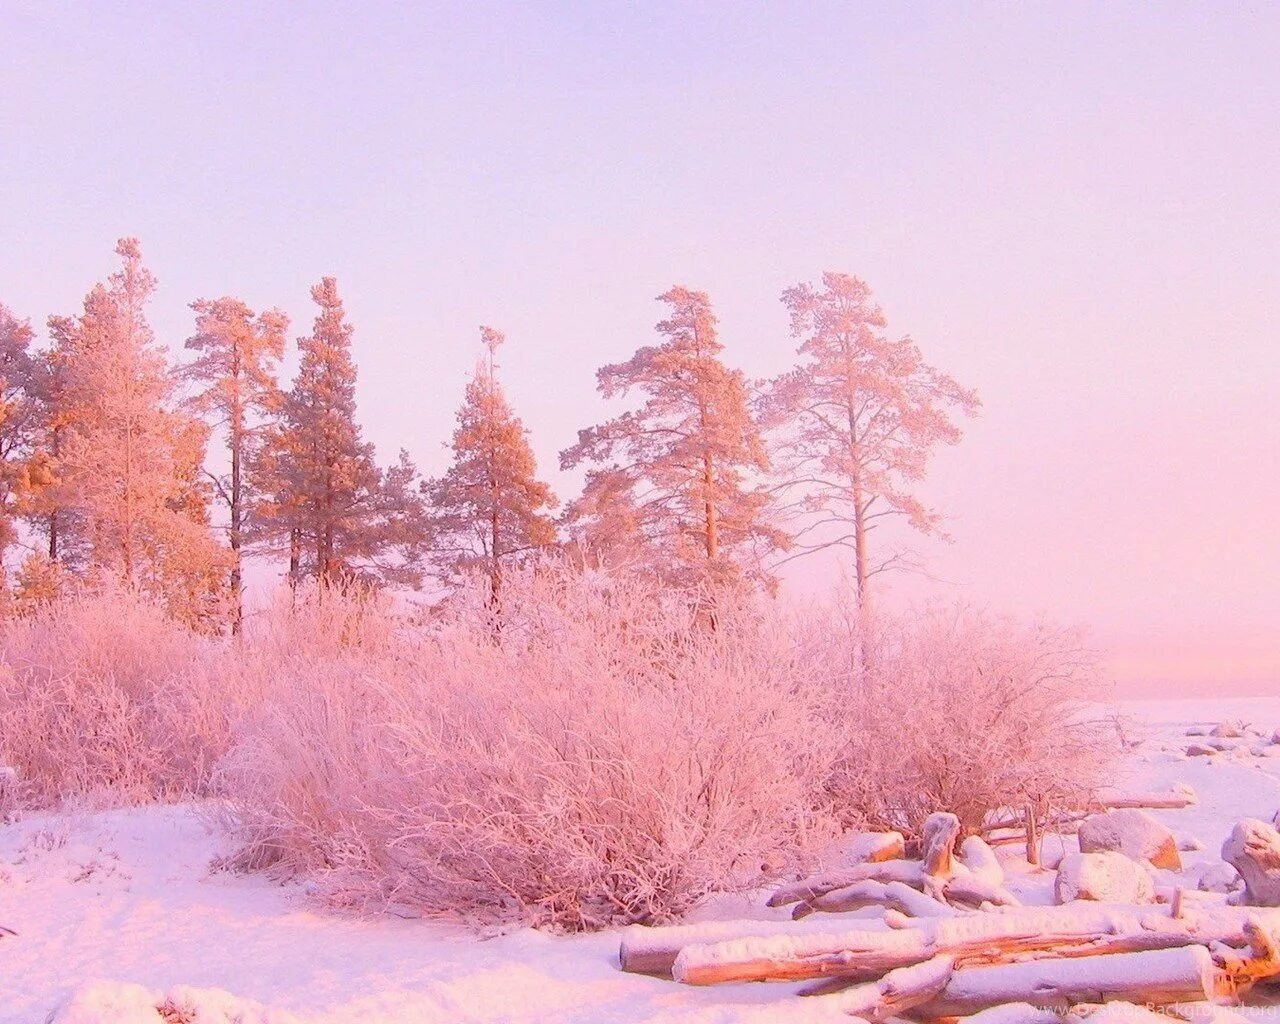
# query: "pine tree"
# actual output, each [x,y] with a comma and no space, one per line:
[21,466]
[671,484]
[128,461]
[856,422]
[490,506]
[234,372]
[323,495]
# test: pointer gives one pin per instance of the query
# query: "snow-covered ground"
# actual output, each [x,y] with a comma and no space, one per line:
[128,898]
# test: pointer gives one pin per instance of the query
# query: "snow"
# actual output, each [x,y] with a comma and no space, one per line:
[118,911]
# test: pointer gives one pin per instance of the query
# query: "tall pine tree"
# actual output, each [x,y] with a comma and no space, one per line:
[671,480]
[491,510]
[129,460]
[323,496]
[235,375]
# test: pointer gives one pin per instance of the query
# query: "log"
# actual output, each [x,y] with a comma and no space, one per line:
[894,895]
[898,991]
[941,830]
[910,872]
[972,891]
[652,950]
[1156,978]
[974,939]
[1181,795]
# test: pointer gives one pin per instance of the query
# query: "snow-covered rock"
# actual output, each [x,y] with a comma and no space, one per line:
[1253,848]
[1228,730]
[1216,876]
[1200,749]
[868,847]
[1134,833]
[1105,877]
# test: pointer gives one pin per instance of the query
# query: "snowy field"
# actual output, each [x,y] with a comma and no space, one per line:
[114,909]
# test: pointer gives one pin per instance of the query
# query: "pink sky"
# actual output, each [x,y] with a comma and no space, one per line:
[1073,208]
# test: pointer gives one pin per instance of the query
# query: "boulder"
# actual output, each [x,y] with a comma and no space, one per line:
[1197,749]
[1253,849]
[1134,833]
[1217,876]
[1106,877]
[1228,730]
[869,847]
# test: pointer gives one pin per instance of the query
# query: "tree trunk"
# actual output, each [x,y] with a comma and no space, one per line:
[237,607]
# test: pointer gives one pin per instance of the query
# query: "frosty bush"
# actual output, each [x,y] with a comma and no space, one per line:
[597,755]
[598,752]
[967,712]
[101,693]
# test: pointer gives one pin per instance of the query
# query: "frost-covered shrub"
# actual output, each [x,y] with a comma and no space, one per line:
[967,712]
[597,754]
[101,693]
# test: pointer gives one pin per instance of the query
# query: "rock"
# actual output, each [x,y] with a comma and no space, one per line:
[1275,736]
[1228,730]
[1196,749]
[1198,730]
[1217,876]
[1253,848]
[1269,750]
[1135,834]
[869,847]
[1107,877]
[1189,844]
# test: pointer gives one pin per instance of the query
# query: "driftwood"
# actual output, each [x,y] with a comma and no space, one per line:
[1157,978]
[894,895]
[978,939]
[909,872]
[970,880]
[652,950]
[898,991]
[938,845]
[1181,795]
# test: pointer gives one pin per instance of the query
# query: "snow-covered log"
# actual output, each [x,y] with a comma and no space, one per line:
[1060,932]
[898,991]
[893,895]
[938,845]
[1179,796]
[1156,977]
[909,872]
[652,950]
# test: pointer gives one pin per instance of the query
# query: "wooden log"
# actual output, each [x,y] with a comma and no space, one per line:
[941,830]
[894,895]
[898,991]
[911,872]
[971,891]
[652,950]
[1157,978]
[974,939]
[1181,795]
